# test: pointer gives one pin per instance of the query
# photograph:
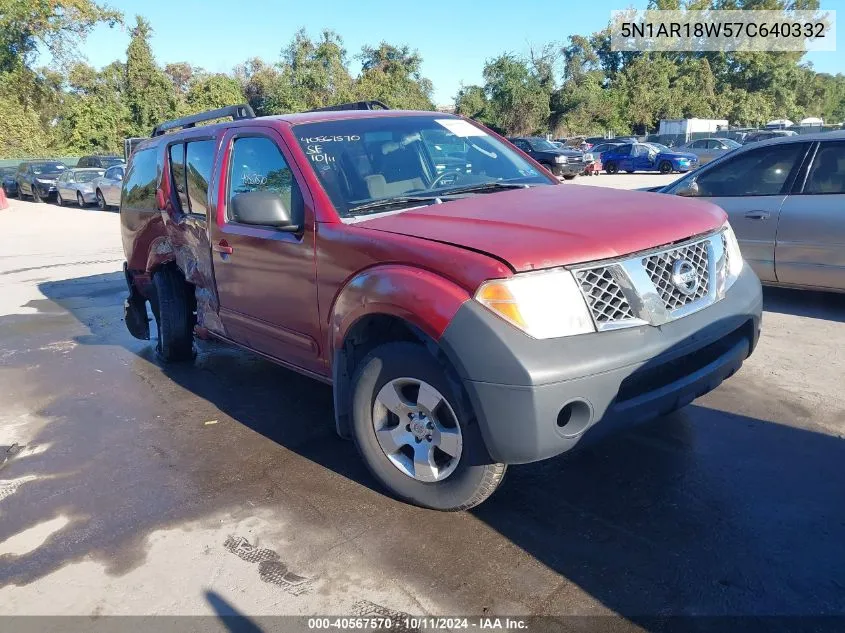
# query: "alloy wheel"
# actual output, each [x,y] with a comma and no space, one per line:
[417,429]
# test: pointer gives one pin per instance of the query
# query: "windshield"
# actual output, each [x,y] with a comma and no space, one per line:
[660,147]
[417,158]
[86,176]
[542,145]
[46,168]
[110,161]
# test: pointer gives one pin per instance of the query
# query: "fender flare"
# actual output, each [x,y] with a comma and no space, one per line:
[425,300]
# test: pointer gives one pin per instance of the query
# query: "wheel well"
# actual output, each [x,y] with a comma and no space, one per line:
[364,336]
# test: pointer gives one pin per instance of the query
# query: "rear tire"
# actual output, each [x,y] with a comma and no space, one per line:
[173,308]
[571,177]
[455,486]
[611,168]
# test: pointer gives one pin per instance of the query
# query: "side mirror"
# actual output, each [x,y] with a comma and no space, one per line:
[688,189]
[118,176]
[263,208]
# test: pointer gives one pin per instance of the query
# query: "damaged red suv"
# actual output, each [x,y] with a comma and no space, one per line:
[469,311]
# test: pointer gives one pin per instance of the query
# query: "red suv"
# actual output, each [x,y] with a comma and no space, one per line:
[470,313]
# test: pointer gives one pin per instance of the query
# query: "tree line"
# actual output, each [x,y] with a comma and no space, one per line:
[580,86]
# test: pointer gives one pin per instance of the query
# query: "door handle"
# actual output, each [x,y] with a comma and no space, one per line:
[758,215]
[223,247]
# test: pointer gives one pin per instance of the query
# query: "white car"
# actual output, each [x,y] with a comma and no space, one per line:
[77,185]
[107,187]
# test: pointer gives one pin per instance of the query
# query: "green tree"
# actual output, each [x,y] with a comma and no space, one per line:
[393,75]
[518,100]
[57,25]
[209,92]
[150,95]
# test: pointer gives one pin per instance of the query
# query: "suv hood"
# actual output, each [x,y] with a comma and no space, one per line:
[548,226]
[48,175]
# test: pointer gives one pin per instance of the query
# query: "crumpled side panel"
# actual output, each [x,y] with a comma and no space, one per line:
[186,243]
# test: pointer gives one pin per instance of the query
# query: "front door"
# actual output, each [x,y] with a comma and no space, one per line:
[266,278]
[751,188]
[810,247]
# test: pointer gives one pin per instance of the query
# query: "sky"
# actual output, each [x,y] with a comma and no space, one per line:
[454,38]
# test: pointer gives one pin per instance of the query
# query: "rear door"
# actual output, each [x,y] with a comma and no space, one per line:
[266,278]
[751,187]
[810,247]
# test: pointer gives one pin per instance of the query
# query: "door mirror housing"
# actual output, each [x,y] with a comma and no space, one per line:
[688,189]
[263,208]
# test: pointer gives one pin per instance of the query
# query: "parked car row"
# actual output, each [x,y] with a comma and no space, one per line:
[95,180]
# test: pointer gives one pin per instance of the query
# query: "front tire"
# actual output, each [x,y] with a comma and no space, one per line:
[570,177]
[80,200]
[173,308]
[101,201]
[414,432]
[36,197]
[665,167]
[59,200]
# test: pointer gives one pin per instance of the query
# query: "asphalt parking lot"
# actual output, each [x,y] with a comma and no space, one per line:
[127,487]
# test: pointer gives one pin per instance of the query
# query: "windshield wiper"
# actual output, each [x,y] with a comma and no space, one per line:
[392,202]
[484,186]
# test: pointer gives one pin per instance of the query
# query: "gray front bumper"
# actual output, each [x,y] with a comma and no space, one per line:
[518,385]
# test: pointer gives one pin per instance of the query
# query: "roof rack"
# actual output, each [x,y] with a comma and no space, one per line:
[236,112]
[355,105]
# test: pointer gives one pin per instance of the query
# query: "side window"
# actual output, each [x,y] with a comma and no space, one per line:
[83,162]
[109,173]
[523,145]
[624,150]
[199,160]
[177,175]
[827,175]
[139,187]
[258,165]
[699,145]
[758,172]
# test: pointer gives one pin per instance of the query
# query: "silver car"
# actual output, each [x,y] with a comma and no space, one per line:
[708,149]
[77,185]
[786,201]
[107,187]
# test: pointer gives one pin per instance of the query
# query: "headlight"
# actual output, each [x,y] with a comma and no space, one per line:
[561,159]
[544,305]
[734,255]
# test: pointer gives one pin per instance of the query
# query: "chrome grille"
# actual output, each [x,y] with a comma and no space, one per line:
[604,297]
[639,290]
[659,269]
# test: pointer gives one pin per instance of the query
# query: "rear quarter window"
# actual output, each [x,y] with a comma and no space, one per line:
[139,186]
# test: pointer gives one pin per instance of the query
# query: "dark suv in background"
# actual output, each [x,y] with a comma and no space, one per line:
[37,178]
[562,162]
[101,161]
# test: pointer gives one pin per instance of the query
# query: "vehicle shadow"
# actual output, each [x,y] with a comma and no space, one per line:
[700,513]
[829,306]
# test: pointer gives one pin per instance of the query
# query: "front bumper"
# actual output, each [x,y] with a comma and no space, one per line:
[88,197]
[566,169]
[684,167]
[45,191]
[522,389]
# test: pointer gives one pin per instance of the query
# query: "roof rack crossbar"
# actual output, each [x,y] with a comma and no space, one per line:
[236,112]
[354,105]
